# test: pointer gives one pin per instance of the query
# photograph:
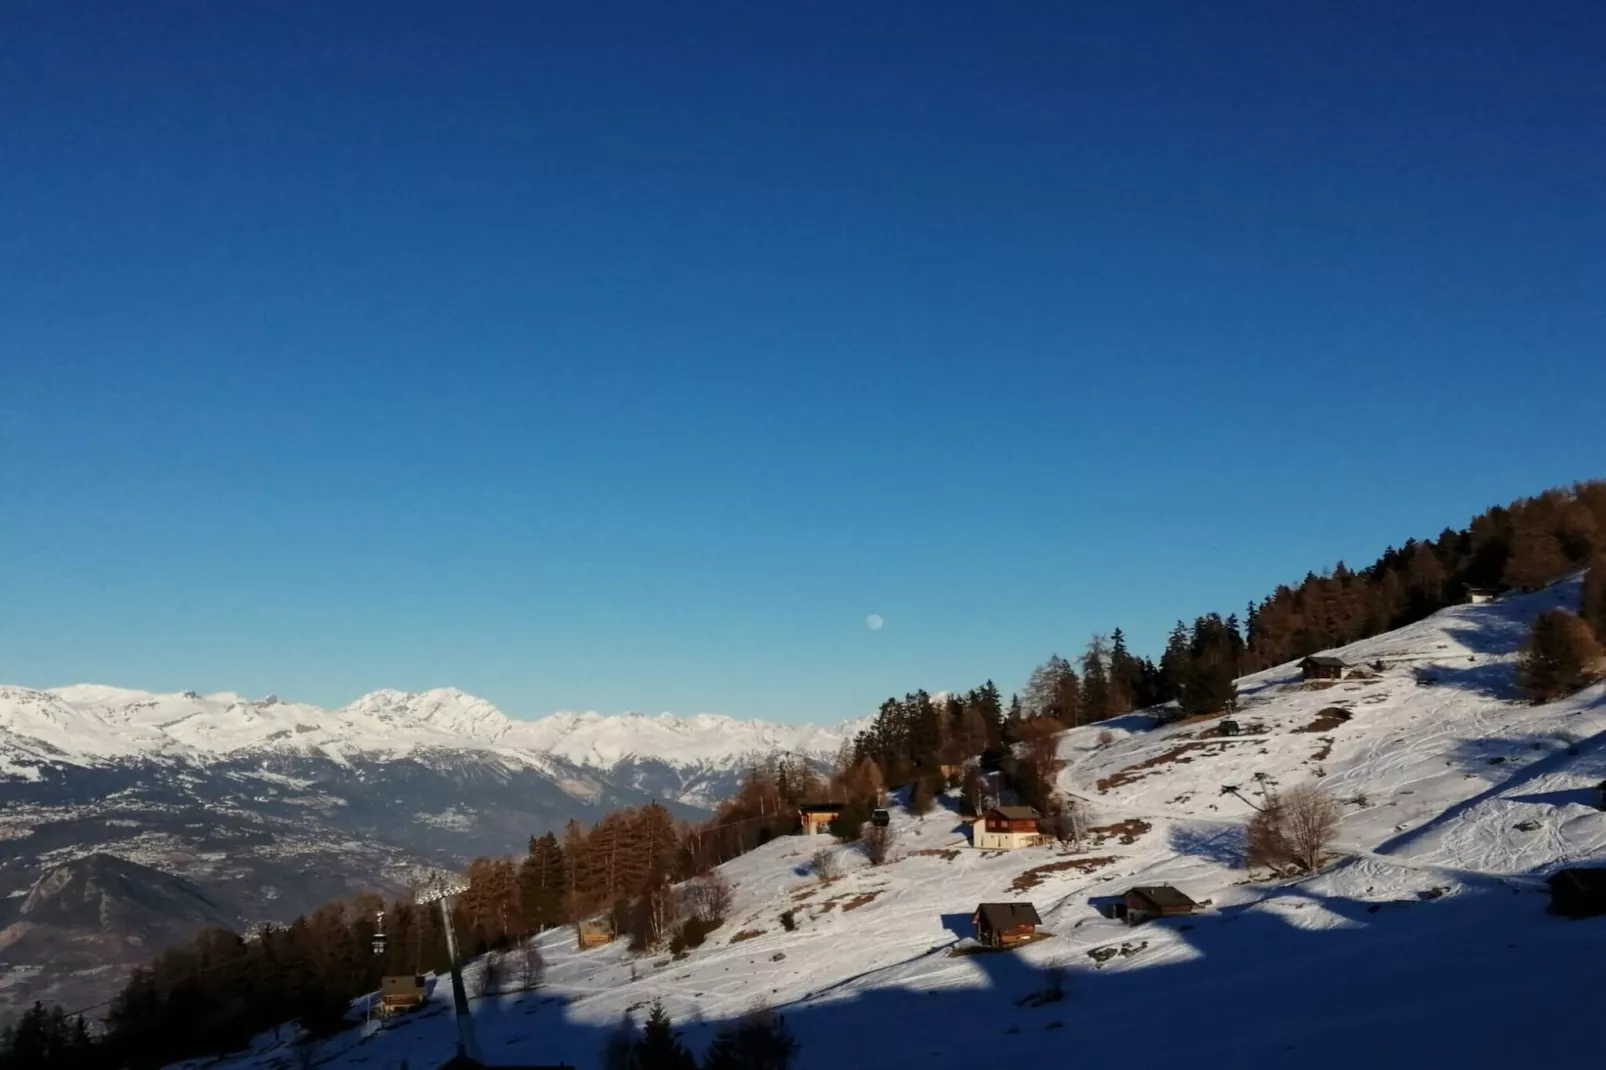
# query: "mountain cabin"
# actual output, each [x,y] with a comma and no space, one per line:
[1322,667]
[815,818]
[400,994]
[1005,924]
[1578,893]
[1479,595]
[1155,901]
[1007,828]
[594,932]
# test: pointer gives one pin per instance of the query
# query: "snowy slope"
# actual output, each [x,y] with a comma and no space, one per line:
[1429,941]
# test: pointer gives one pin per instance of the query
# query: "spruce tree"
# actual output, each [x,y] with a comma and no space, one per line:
[1095,682]
[660,1047]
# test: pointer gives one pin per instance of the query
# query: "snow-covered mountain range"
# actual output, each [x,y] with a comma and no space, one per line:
[89,724]
[271,807]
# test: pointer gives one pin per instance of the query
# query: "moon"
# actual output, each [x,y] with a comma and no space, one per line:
[874,622]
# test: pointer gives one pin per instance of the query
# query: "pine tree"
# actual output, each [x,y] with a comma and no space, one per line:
[1126,677]
[660,1047]
[541,885]
[1096,703]
[1175,663]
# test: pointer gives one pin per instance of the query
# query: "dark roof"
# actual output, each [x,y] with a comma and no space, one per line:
[822,808]
[1163,896]
[1008,915]
[1326,661]
[1015,813]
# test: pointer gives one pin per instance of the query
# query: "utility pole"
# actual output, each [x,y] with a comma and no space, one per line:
[438,889]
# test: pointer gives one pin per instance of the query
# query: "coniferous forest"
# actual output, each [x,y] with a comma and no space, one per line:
[655,875]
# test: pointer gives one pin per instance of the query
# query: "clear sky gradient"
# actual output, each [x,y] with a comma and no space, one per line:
[613,357]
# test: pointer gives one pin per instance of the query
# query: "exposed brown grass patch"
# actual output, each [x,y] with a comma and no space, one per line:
[1327,748]
[1126,831]
[746,934]
[947,854]
[1328,719]
[1034,876]
[1180,754]
[860,900]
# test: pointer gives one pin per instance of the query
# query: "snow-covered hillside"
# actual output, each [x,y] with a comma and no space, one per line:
[1427,943]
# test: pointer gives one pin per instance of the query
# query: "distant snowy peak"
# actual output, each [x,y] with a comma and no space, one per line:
[91,723]
[603,741]
[443,709]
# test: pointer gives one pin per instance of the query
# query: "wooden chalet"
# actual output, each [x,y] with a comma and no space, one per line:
[1008,828]
[1155,901]
[594,932]
[1005,924]
[815,819]
[1322,667]
[1578,893]
[1479,595]
[400,994]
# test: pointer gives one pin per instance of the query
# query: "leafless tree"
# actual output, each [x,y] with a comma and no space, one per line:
[1069,825]
[531,966]
[488,981]
[878,841]
[824,863]
[1267,844]
[1310,822]
[708,898]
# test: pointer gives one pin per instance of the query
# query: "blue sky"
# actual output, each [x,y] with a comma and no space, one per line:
[628,356]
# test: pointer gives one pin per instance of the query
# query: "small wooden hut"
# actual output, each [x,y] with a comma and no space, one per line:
[1155,901]
[814,819]
[400,994]
[1322,667]
[594,932]
[1005,924]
